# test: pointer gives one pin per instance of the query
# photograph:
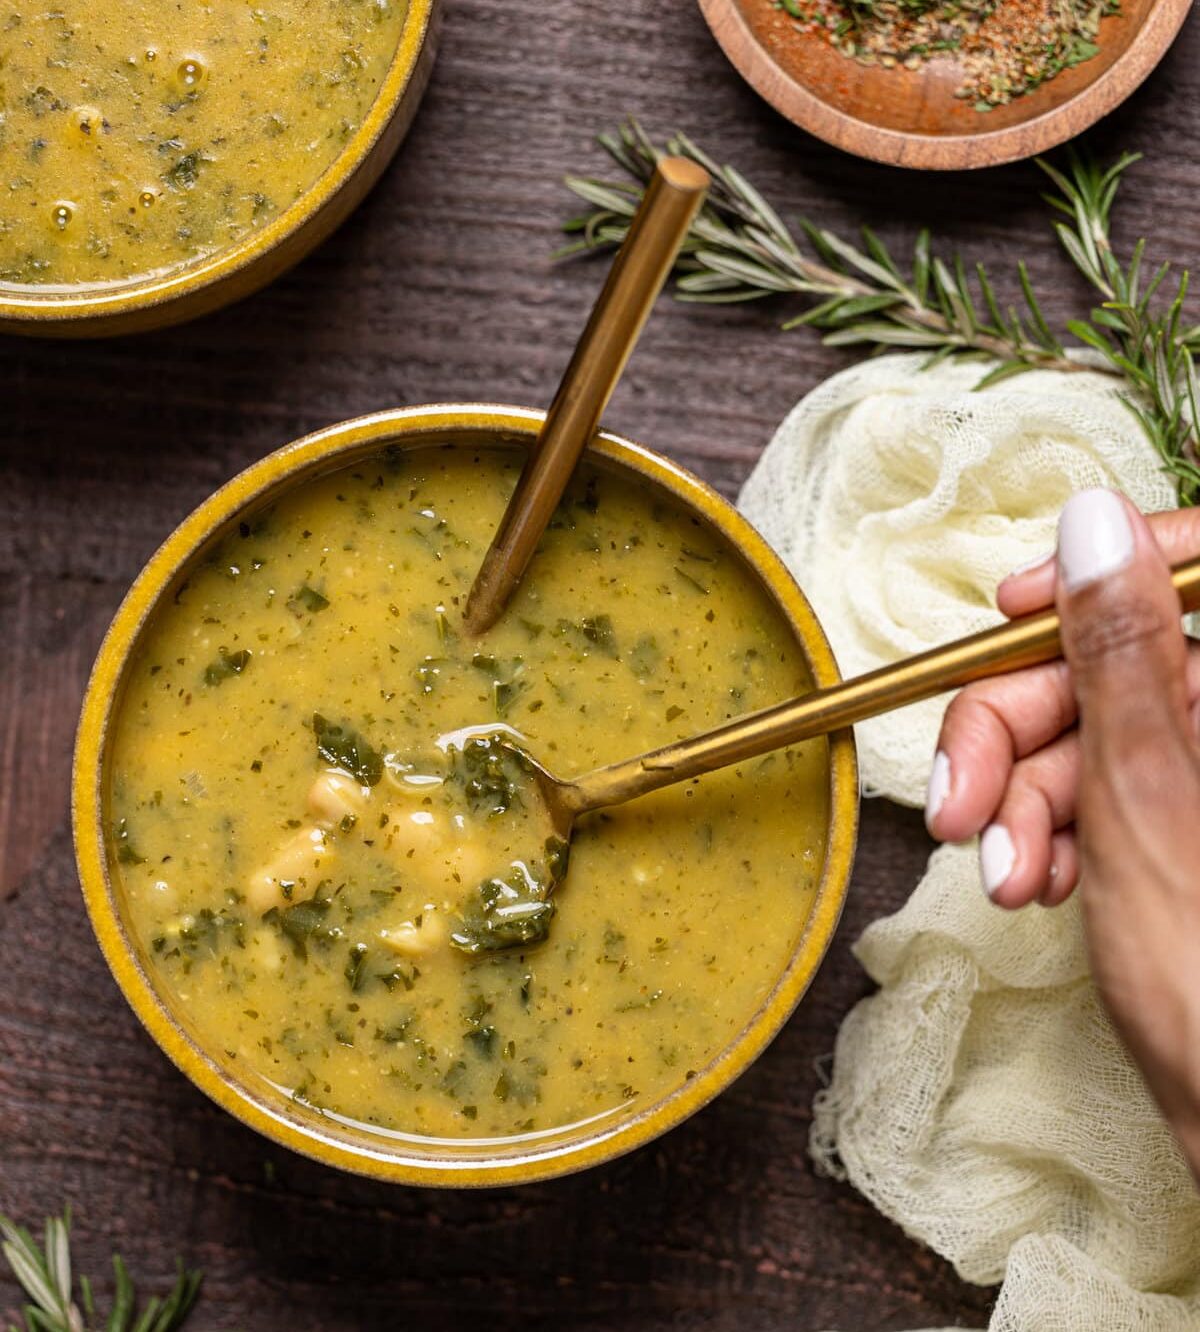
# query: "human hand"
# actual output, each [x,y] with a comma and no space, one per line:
[1089,770]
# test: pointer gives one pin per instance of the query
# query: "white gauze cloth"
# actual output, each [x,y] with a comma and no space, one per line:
[899,498]
[981,1098]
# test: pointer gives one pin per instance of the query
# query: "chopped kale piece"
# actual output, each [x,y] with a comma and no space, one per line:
[304,923]
[354,967]
[185,172]
[227,664]
[209,933]
[306,601]
[127,853]
[491,774]
[344,748]
[503,914]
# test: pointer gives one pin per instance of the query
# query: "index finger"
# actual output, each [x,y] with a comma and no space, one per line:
[1176,532]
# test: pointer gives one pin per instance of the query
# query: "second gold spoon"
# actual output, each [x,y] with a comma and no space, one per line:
[1029,641]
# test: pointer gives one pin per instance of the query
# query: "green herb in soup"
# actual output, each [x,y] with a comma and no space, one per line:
[136,137]
[342,877]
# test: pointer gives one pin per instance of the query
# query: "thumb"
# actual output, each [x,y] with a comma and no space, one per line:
[1123,641]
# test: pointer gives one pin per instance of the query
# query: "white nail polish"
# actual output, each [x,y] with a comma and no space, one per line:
[1094,537]
[1030,565]
[939,787]
[997,856]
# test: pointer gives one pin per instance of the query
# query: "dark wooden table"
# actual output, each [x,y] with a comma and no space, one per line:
[441,288]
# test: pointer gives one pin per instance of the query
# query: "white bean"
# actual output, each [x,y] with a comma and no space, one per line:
[294,873]
[333,796]
[430,852]
[417,938]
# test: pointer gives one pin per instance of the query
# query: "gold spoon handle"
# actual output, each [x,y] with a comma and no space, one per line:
[659,228]
[1028,641]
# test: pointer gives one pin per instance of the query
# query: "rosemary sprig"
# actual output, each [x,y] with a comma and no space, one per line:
[1148,344]
[45,1275]
[739,249]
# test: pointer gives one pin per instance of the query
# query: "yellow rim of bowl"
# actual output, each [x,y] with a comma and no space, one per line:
[306,1134]
[139,293]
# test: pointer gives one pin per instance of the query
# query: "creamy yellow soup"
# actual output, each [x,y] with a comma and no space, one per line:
[136,136]
[321,844]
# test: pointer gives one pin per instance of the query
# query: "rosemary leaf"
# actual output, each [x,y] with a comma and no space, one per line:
[45,1276]
[740,249]
[1005,370]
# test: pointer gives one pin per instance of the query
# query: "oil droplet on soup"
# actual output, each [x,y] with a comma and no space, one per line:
[301,826]
[222,120]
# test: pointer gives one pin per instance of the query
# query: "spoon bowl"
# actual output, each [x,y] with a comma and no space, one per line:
[561,799]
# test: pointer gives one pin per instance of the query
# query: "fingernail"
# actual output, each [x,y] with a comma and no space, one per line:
[939,787]
[997,856]
[1030,565]
[1094,537]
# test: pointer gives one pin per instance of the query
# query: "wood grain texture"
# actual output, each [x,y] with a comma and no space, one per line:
[440,288]
[912,118]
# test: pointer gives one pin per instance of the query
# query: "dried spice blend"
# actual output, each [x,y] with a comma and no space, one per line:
[1006,47]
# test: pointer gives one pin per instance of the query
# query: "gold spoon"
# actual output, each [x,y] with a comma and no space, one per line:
[1029,641]
[673,196]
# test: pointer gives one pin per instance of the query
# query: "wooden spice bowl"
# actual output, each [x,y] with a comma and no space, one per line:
[911,118]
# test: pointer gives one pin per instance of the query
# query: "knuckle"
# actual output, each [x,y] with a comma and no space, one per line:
[962,715]
[960,710]
[1128,630]
[1010,706]
[974,719]
[1058,699]
[1032,797]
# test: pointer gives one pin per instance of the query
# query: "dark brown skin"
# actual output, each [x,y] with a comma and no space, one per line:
[1092,767]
